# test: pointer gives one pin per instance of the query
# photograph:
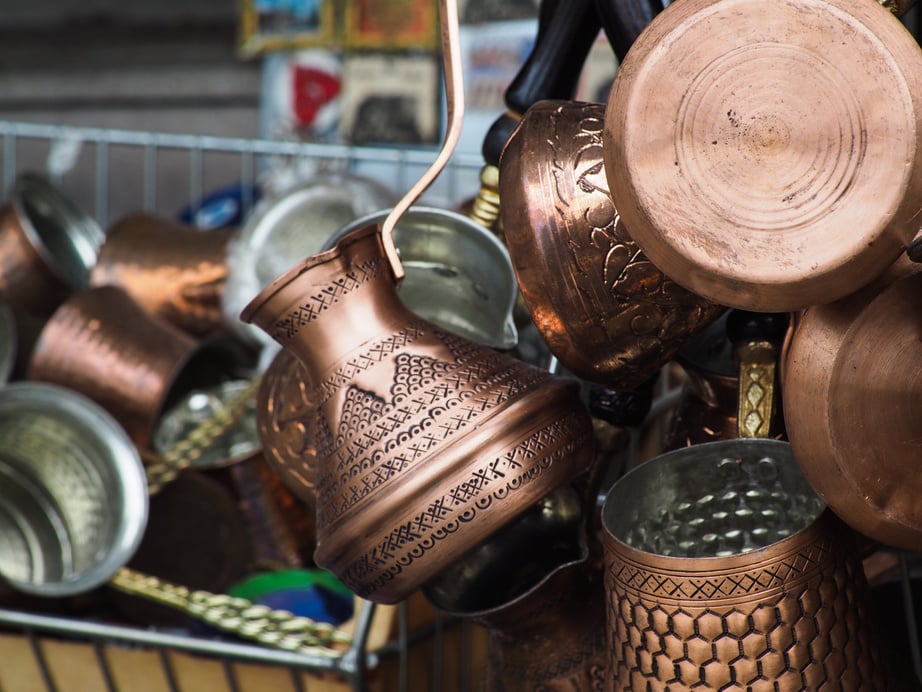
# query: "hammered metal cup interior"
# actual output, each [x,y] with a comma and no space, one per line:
[73,493]
[458,273]
[725,570]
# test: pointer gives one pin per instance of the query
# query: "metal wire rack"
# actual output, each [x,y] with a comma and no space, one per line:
[113,172]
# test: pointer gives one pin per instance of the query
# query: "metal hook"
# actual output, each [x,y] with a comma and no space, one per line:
[454,93]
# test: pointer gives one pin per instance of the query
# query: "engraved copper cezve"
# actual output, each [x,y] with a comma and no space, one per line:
[427,442]
[539,594]
[606,312]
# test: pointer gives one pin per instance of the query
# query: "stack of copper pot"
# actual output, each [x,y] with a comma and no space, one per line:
[763,158]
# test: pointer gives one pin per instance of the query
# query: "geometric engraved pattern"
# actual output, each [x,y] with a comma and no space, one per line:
[811,634]
[448,401]
[290,324]
[463,502]
[376,353]
[781,573]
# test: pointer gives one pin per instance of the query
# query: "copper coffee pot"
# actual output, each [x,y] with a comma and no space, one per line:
[428,442]
[421,432]
[742,138]
[539,594]
[607,313]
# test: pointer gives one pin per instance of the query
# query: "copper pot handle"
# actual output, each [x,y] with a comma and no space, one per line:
[757,339]
[454,95]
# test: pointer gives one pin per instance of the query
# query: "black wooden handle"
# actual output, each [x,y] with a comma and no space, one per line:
[566,32]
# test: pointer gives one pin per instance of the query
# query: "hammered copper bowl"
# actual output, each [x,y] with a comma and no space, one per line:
[607,313]
[742,139]
[724,570]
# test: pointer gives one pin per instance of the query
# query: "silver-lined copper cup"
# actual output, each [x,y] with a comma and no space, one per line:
[724,570]
[73,492]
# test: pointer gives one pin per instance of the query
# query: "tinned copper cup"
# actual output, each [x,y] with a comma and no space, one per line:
[725,571]
[47,248]
[103,344]
[175,271]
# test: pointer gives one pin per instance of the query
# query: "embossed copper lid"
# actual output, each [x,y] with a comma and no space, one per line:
[767,155]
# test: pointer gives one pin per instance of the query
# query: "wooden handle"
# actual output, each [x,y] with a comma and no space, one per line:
[566,32]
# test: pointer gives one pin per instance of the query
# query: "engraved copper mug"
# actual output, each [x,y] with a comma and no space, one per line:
[742,137]
[724,570]
[606,312]
[427,442]
[539,594]
[102,343]
[175,271]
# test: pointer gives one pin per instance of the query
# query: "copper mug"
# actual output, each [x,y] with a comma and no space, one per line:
[539,594]
[102,343]
[47,247]
[174,271]
[724,570]
[427,443]
[607,313]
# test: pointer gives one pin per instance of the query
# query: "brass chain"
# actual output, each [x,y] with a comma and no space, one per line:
[183,454]
[276,628]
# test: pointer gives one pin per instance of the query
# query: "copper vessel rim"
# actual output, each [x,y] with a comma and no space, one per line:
[68,214]
[709,562]
[311,262]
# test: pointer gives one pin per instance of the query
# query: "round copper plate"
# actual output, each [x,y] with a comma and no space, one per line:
[852,395]
[765,155]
